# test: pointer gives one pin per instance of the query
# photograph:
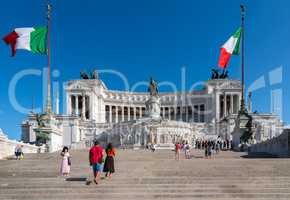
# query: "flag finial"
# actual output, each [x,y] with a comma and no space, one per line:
[48,9]
[242,8]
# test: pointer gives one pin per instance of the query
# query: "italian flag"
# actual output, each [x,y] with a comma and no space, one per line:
[231,47]
[32,39]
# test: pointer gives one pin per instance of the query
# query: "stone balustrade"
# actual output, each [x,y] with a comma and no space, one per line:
[279,146]
[7,147]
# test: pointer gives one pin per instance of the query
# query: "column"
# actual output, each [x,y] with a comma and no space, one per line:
[225,105]
[175,111]
[117,114]
[88,109]
[217,114]
[239,102]
[169,113]
[140,112]
[186,113]
[163,112]
[83,107]
[77,105]
[110,114]
[69,105]
[129,113]
[232,104]
[122,113]
[198,113]
[134,113]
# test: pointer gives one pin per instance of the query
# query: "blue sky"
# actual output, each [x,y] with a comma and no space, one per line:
[143,38]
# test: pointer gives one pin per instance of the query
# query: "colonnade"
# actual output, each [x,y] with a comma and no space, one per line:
[194,113]
[229,104]
[80,106]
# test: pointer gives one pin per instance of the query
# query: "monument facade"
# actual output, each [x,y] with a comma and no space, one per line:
[138,118]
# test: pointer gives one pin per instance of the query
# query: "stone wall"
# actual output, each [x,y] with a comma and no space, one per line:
[7,147]
[278,146]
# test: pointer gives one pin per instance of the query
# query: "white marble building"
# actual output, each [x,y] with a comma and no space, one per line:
[92,110]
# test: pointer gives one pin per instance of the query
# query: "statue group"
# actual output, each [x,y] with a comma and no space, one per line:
[93,75]
[216,75]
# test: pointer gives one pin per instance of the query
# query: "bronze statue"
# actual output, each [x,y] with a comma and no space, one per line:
[40,121]
[153,88]
[84,75]
[216,75]
[224,75]
[94,74]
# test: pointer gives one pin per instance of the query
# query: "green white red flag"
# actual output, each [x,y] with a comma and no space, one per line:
[33,39]
[231,47]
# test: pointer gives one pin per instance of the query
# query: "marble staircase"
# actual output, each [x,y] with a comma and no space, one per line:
[145,175]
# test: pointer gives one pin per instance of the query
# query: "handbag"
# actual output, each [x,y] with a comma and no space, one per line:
[69,161]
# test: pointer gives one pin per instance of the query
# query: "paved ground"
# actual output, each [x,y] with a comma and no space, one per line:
[146,175]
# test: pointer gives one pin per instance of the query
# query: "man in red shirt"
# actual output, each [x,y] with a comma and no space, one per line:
[96,160]
[177,151]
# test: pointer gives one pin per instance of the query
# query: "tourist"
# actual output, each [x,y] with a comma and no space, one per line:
[205,149]
[177,151]
[217,147]
[20,152]
[96,160]
[209,149]
[224,145]
[187,151]
[16,152]
[153,147]
[109,167]
[147,147]
[228,144]
[66,162]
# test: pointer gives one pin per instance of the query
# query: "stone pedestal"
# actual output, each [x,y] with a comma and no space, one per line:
[243,124]
[48,126]
[153,107]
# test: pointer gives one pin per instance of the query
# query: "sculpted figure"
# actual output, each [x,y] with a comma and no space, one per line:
[84,75]
[153,88]
[214,74]
[94,74]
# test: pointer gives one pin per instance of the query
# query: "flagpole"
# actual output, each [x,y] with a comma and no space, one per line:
[48,100]
[243,58]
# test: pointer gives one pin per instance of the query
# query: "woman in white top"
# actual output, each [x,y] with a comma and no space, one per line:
[66,162]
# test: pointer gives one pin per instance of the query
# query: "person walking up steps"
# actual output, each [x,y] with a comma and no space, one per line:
[66,162]
[109,167]
[187,151]
[177,151]
[96,160]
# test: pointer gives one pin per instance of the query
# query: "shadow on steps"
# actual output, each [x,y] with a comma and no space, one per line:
[259,155]
[78,179]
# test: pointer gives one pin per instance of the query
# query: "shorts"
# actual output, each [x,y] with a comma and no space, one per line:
[97,167]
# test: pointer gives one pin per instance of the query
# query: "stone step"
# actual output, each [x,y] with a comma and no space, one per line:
[130,186]
[93,189]
[147,195]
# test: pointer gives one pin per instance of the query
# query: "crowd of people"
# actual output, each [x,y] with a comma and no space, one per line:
[222,144]
[185,147]
[211,147]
